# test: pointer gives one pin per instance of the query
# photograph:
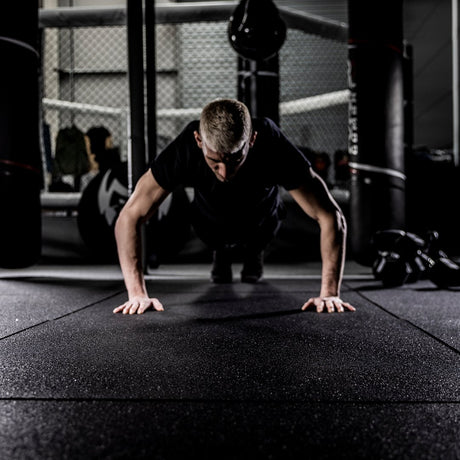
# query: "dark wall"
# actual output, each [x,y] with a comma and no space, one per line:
[427,25]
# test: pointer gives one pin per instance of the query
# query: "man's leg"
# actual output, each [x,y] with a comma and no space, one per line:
[221,271]
[214,237]
[253,266]
[258,240]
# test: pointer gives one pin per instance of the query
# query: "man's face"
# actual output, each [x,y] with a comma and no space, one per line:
[224,165]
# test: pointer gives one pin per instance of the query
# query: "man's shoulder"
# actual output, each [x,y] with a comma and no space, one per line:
[264,123]
[266,128]
[269,134]
[184,141]
[189,128]
[192,125]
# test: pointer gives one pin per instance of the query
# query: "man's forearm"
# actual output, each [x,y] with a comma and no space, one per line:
[129,245]
[333,241]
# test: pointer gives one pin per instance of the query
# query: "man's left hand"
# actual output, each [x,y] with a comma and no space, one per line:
[330,304]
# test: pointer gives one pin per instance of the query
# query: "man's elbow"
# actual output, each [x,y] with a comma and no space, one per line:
[123,223]
[119,225]
[338,227]
[333,222]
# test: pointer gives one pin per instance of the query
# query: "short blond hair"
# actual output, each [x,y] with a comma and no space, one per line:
[225,124]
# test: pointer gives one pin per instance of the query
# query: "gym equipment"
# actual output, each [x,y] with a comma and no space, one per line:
[412,249]
[376,122]
[101,203]
[404,257]
[98,209]
[399,257]
[443,272]
[256,30]
[391,269]
[20,157]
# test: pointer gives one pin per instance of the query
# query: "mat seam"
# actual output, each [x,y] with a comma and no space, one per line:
[394,315]
[235,401]
[60,317]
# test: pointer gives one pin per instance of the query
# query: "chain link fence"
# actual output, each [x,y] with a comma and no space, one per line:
[85,83]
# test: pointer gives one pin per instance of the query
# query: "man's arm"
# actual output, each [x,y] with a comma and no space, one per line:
[144,201]
[316,201]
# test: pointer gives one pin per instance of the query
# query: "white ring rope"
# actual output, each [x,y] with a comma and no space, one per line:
[306,104]
[297,106]
[320,101]
[377,169]
[58,104]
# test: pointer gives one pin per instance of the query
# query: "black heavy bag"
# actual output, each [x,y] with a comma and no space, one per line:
[376,122]
[98,209]
[20,156]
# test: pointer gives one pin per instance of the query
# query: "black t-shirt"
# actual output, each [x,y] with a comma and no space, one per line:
[253,194]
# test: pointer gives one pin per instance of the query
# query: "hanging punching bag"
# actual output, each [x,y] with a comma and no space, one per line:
[376,122]
[257,32]
[20,157]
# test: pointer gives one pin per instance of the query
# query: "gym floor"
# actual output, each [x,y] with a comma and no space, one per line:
[227,371]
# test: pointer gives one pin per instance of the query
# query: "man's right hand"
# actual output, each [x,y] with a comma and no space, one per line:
[138,305]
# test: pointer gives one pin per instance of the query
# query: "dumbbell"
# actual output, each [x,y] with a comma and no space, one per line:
[400,257]
[391,269]
[419,260]
[388,266]
[391,265]
[443,272]
[404,257]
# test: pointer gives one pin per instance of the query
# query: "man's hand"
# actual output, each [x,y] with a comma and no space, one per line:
[139,305]
[330,303]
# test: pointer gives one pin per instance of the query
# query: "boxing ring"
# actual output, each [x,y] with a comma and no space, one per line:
[62,18]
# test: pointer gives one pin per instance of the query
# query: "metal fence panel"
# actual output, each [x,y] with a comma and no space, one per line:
[85,81]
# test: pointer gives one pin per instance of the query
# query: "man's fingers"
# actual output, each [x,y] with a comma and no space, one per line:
[336,305]
[330,304]
[118,309]
[157,305]
[142,307]
[127,308]
[349,306]
[307,304]
[134,306]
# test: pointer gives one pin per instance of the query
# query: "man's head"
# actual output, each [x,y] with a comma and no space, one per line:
[225,136]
